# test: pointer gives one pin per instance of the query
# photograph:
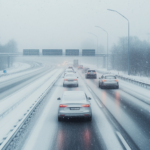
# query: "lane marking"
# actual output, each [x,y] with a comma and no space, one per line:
[123,141]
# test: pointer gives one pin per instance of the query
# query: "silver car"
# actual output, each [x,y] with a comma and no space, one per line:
[74,104]
[70,79]
[69,71]
[108,81]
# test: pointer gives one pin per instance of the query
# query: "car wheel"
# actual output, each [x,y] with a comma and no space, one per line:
[117,87]
[59,119]
[89,118]
[102,87]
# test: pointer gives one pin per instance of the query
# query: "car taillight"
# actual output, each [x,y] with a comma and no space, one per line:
[103,80]
[65,79]
[116,80]
[75,79]
[95,72]
[61,105]
[85,105]
[87,72]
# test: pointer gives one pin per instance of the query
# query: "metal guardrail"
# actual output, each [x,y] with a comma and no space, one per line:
[8,142]
[140,83]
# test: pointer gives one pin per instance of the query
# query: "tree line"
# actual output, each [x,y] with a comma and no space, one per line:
[139,56]
[5,61]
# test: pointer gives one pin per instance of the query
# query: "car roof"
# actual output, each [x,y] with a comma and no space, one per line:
[70,73]
[74,92]
[91,69]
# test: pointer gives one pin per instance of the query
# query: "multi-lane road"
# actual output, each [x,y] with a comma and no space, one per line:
[121,119]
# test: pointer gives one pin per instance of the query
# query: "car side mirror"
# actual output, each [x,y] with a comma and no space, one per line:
[89,98]
[59,98]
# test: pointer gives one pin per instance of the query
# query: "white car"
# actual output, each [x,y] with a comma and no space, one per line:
[74,104]
[68,71]
[70,79]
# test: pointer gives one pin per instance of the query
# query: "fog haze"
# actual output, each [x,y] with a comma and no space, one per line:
[66,23]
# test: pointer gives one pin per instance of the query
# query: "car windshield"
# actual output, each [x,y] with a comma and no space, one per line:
[74,97]
[70,75]
[110,77]
[91,71]
[69,70]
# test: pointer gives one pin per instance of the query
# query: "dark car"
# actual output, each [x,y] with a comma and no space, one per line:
[91,74]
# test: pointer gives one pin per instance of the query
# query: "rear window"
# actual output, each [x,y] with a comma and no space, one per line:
[69,70]
[110,77]
[91,71]
[74,97]
[69,75]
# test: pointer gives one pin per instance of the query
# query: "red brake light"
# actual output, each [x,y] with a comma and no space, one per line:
[61,105]
[75,79]
[65,79]
[116,80]
[103,80]
[85,105]
[87,72]
[95,72]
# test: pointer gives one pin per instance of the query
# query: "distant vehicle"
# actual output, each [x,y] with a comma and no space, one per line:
[84,70]
[68,71]
[74,104]
[91,74]
[75,63]
[70,79]
[108,81]
[70,67]
[80,67]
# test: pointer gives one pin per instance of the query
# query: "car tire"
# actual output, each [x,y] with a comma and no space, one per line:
[102,87]
[117,87]
[59,119]
[89,118]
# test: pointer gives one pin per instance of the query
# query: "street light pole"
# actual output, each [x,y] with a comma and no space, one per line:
[128,38]
[97,44]
[107,42]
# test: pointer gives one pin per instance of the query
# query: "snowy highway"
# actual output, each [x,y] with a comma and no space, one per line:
[120,117]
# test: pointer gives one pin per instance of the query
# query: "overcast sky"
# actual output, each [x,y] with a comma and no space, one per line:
[66,23]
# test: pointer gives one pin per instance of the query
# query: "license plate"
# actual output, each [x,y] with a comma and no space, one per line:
[74,108]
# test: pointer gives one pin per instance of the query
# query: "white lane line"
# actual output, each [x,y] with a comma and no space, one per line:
[123,141]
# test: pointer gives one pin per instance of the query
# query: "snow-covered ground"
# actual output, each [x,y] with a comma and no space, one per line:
[17,66]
